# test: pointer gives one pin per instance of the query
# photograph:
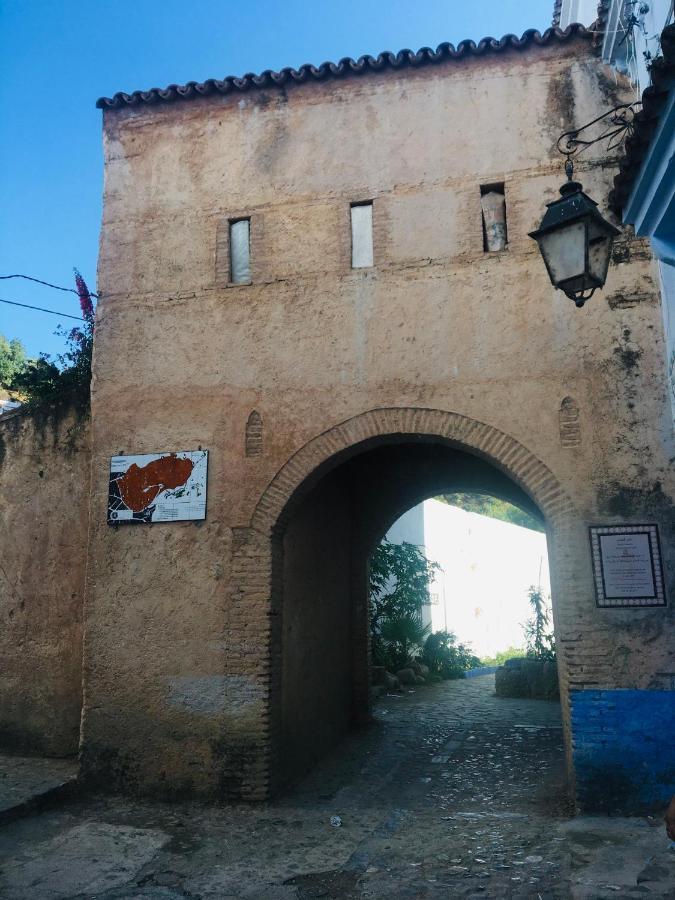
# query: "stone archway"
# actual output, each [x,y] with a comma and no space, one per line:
[512,457]
[257,550]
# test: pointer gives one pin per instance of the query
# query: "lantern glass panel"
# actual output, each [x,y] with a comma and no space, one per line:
[564,251]
[599,252]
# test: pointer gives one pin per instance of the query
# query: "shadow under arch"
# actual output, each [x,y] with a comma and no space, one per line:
[290,542]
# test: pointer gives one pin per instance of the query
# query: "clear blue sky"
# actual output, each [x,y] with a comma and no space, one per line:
[58,56]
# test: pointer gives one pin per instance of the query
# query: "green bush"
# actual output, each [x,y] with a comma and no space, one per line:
[445,657]
[500,658]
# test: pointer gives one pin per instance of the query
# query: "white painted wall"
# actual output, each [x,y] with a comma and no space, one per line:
[584,11]
[487,568]
[409,528]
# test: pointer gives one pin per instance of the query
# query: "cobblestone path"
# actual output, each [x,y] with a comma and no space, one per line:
[448,743]
[467,782]
[451,793]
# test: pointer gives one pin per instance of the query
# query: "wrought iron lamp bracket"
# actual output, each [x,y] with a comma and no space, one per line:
[613,126]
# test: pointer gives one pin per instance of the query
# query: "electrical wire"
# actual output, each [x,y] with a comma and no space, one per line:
[54,312]
[46,284]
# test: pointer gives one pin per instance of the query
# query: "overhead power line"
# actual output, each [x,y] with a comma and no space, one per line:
[54,312]
[46,284]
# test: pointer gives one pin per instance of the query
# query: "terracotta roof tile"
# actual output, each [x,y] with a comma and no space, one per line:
[385,61]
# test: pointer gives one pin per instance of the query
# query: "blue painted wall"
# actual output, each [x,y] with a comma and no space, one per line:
[482,670]
[624,748]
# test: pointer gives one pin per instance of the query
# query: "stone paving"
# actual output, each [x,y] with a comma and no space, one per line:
[451,793]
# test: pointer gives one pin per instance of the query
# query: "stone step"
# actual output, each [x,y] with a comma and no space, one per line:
[28,783]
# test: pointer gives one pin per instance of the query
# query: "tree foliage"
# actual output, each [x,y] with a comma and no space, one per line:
[68,377]
[493,507]
[12,360]
[42,380]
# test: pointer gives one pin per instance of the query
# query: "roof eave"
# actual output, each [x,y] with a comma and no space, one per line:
[445,52]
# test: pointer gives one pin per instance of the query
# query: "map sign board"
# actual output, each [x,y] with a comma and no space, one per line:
[157,487]
[627,565]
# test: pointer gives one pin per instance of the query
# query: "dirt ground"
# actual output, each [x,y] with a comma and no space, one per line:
[452,792]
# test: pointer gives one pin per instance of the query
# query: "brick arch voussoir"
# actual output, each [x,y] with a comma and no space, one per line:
[499,448]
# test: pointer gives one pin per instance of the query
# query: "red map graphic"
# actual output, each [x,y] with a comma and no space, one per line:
[139,486]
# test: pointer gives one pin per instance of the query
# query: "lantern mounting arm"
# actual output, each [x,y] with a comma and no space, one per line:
[613,126]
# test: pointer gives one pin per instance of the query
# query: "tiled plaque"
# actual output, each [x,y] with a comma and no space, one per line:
[627,565]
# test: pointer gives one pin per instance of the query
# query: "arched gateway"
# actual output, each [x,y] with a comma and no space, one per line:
[309,547]
[503,451]
[294,280]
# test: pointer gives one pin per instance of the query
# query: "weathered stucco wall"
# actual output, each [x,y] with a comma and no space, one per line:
[182,359]
[44,508]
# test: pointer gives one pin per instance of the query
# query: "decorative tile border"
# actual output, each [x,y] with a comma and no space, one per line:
[620,584]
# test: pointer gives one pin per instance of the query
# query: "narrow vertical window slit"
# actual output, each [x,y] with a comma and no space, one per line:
[493,205]
[240,251]
[362,234]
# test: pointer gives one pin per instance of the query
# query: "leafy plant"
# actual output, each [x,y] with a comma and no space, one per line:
[401,639]
[500,658]
[400,576]
[538,634]
[445,657]
[43,380]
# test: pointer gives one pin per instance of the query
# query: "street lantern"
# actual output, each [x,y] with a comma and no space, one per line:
[575,241]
